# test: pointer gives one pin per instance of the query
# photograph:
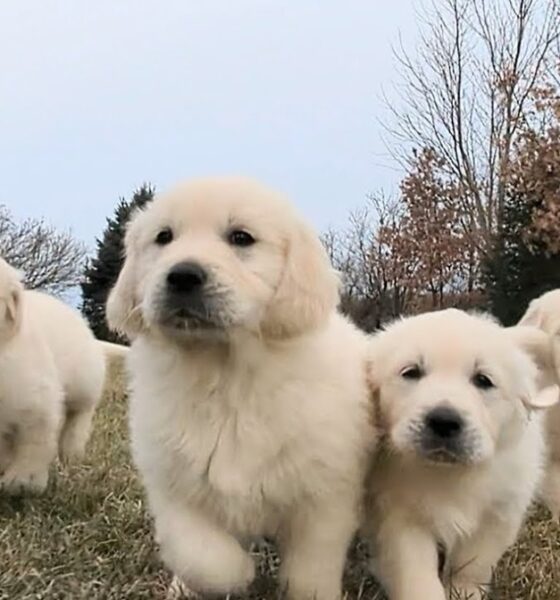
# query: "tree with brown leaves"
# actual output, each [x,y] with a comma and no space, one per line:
[467,94]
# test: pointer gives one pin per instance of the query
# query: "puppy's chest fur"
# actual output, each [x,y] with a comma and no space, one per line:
[229,441]
[450,507]
[452,503]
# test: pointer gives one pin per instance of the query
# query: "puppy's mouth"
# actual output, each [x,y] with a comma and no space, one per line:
[444,454]
[190,301]
[189,318]
[443,436]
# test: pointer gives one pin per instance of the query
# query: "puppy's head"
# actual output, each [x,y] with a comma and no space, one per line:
[453,388]
[11,297]
[544,313]
[213,256]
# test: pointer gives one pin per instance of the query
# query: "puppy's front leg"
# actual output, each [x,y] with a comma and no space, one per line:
[407,562]
[314,547]
[35,446]
[204,556]
[475,557]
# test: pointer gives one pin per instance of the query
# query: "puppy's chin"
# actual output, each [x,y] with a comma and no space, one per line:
[188,328]
[411,444]
[446,456]
[183,326]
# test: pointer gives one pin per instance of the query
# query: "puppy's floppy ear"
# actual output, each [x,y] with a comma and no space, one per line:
[14,307]
[539,346]
[308,289]
[123,312]
[13,302]
[372,378]
[545,398]
[533,316]
[545,315]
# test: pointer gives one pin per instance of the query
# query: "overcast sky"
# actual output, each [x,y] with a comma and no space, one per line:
[98,96]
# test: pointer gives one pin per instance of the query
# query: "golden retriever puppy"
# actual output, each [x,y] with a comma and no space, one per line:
[51,377]
[461,449]
[249,406]
[544,313]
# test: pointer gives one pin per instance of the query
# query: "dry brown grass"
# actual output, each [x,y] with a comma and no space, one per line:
[89,536]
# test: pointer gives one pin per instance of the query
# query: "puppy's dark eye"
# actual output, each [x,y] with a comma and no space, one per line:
[164,237]
[482,381]
[413,372]
[241,238]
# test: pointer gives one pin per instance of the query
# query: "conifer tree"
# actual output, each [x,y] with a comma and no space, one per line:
[102,271]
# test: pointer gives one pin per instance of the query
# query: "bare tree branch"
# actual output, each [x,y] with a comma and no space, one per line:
[468,91]
[50,260]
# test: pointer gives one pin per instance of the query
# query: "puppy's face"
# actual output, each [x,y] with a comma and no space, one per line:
[452,387]
[11,293]
[219,255]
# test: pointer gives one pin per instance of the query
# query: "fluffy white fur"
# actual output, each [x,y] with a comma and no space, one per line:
[257,424]
[51,377]
[113,351]
[544,313]
[472,506]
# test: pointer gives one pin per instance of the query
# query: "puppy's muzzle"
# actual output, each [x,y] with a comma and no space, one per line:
[443,436]
[186,279]
[186,297]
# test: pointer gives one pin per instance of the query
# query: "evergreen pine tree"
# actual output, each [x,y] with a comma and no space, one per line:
[102,271]
[516,272]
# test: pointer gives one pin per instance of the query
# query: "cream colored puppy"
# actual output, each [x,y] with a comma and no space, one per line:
[544,313]
[249,407]
[51,377]
[461,449]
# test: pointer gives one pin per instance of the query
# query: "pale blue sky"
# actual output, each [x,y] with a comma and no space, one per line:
[98,96]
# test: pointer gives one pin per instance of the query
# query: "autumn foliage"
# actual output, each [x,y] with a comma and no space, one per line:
[475,125]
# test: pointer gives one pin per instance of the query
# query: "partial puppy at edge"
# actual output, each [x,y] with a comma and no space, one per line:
[51,378]
[544,313]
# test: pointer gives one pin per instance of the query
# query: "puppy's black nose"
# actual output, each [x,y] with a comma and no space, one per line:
[444,422]
[186,277]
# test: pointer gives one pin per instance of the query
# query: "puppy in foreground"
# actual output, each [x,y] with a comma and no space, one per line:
[51,378]
[249,403]
[461,449]
[544,313]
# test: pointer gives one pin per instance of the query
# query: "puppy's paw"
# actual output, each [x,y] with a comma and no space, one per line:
[19,481]
[71,452]
[466,592]
[226,572]
[177,590]
[230,579]
[72,444]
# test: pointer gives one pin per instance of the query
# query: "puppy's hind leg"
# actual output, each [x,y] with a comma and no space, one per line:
[75,432]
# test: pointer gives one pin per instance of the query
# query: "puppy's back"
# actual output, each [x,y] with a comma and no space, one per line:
[78,356]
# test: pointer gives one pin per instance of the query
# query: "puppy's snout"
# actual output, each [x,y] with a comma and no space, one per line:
[444,422]
[186,278]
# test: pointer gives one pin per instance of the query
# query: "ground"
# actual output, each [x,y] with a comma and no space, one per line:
[89,536]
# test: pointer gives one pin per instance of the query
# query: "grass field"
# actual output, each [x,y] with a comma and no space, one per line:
[89,536]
